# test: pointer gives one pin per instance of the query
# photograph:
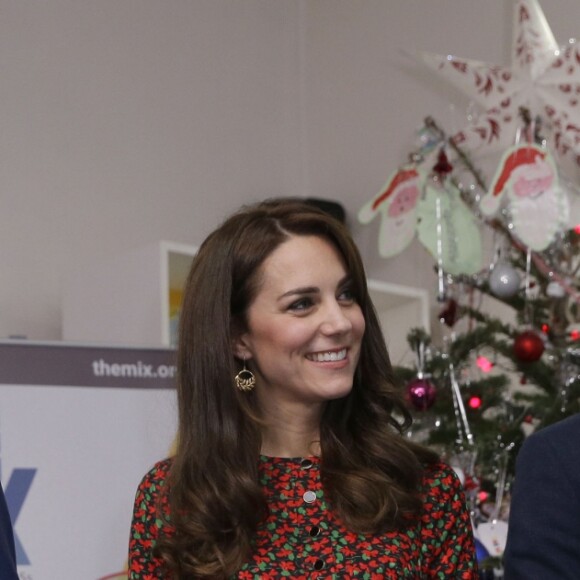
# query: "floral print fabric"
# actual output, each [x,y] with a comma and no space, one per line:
[302,538]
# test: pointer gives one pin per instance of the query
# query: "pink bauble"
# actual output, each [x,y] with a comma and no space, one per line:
[528,346]
[421,393]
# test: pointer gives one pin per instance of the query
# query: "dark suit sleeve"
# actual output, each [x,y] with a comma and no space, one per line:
[544,523]
[7,556]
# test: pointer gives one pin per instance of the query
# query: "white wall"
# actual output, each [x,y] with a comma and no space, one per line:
[124,122]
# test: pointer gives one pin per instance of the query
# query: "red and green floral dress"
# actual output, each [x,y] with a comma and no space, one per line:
[302,539]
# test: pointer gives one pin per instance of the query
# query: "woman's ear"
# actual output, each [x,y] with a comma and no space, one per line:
[240,343]
[240,348]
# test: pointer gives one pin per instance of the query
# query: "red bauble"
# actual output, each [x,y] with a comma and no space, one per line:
[528,346]
[421,393]
[449,314]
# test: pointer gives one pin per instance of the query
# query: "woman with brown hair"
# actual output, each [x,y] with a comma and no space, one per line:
[291,461]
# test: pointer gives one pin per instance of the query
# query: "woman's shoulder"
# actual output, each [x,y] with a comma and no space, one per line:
[440,479]
[157,476]
[443,496]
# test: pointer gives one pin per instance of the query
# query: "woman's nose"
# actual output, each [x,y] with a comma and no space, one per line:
[336,319]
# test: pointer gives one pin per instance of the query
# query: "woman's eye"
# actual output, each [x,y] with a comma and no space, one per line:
[302,304]
[346,295]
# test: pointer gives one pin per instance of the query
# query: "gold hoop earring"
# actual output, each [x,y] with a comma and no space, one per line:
[245,379]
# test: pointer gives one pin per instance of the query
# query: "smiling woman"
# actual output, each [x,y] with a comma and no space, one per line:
[302,339]
[291,459]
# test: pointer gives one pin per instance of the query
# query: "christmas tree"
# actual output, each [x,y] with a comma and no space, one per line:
[492,375]
[482,387]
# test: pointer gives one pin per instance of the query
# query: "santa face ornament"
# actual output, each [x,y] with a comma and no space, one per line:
[397,204]
[527,179]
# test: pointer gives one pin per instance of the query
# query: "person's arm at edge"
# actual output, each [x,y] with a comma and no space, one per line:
[7,552]
[544,521]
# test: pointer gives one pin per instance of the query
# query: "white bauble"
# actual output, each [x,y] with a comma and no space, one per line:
[555,290]
[504,280]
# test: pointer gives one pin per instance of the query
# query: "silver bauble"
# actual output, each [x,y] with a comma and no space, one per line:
[555,290]
[504,280]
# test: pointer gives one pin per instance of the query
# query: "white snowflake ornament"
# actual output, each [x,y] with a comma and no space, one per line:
[543,78]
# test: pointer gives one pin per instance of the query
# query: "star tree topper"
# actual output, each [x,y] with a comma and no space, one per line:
[543,78]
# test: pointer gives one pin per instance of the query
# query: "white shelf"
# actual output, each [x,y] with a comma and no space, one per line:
[126,300]
[175,264]
[129,301]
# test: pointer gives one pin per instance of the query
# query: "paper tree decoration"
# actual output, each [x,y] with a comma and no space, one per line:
[543,78]
[448,229]
[528,179]
[396,203]
[412,202]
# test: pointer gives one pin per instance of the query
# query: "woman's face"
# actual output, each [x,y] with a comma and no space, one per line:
[304,328]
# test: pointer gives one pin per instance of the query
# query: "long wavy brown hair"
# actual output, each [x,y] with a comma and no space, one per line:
[369,471]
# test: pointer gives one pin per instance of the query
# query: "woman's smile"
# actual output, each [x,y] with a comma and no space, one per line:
[328,356]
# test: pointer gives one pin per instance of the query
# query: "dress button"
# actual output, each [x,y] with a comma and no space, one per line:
[306,463]
[309,496]
[318,565]
[314,531]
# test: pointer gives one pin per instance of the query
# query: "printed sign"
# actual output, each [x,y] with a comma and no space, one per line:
[79,427]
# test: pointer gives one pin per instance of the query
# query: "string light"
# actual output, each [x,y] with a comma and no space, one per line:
[475,402]
[484,364]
